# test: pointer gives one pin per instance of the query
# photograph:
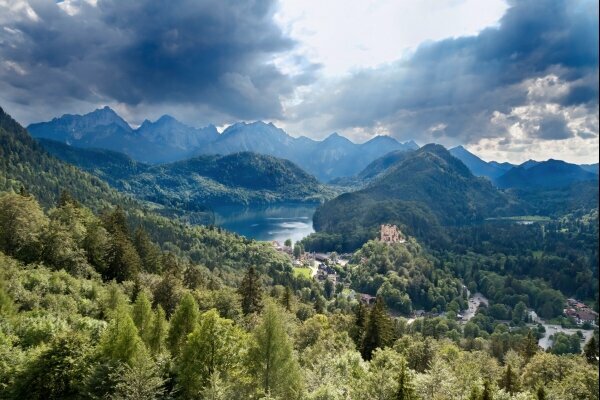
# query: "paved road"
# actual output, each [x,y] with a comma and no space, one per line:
[546,342]
[474,303]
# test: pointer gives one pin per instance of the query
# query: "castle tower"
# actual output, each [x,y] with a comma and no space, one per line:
[390,234]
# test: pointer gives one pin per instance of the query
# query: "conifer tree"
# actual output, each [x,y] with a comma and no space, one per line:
[142,380]
[182,323]
[271,360]
[287,299]
[509,380]
[360,319]
[320,304]
[591,351]
[168,293]
[216,389]
[66,198]
[115,298]
[215,347]
[541,393]
[123,260]
[405,390]
[116,221]
[121,341]
[487,391]
[378,330]
[158,332]
[328,289]
[142,315]
[149,252]
[251,292]
[530,347]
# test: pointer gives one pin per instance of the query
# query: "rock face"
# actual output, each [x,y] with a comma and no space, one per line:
[165,140]
[168,140]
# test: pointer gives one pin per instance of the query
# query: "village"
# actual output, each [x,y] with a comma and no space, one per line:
[326,268]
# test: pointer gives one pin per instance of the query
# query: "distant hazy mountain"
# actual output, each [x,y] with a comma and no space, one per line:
[593,168]
[479,167]
[528,164]
[162,141]
[168,131]
[334,157]
[193,184]
[544,174]
[372,171]
[168,140]
[552,173]
[505,166]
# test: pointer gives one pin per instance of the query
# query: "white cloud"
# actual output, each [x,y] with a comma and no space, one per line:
[543,128]
[345,35]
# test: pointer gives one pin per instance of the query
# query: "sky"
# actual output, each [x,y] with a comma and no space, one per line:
[509,80]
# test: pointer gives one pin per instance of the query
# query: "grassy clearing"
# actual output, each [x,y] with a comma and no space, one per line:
[302,271]
[537,254]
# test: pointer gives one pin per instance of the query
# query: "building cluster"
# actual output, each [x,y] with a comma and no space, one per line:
[367,298]
[390,234]
[580,312]
[282,248]
[325,271]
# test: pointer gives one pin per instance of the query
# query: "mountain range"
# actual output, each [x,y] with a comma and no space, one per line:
[168,140]
[334,159]
[544,174]
[479,167]
[531,173]
[165,140]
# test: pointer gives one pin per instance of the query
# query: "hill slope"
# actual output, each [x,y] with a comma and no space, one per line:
[240,178]
[427,189]
[24,163]
[479,167]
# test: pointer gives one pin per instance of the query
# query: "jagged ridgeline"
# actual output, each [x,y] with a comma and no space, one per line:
[168,140]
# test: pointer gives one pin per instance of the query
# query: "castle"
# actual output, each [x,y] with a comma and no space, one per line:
[390,234]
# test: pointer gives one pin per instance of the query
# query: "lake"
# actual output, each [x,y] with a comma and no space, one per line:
[276,222]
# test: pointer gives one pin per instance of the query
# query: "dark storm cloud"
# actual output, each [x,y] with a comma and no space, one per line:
[453,87]
[212,53]
[554,127]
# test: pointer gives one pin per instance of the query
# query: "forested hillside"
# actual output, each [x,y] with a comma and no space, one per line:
[100,297]
[421,192]
[29,170]
[166,327]
[200,182]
